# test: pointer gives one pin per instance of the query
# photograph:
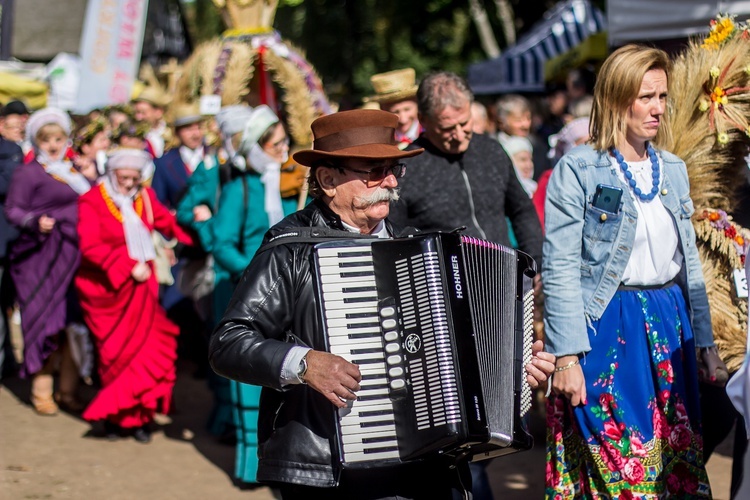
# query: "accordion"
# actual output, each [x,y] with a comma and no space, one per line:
[440,326]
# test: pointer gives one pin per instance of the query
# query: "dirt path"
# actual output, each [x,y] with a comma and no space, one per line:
[59,458]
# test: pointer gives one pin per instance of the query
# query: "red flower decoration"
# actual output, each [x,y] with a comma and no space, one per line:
[690,484]
[633,472]
[659,420]
[674,485]
[679,438]
[612,430]
[606,401]
[665,370]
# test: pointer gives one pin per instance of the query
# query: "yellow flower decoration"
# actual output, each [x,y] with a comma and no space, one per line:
[723,138]
[719,97]
[704,105]
[722,28]
[715,72]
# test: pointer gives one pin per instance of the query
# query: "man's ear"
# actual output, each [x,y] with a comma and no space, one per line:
[327,180]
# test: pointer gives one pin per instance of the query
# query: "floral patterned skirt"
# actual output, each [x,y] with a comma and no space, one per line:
[639,435]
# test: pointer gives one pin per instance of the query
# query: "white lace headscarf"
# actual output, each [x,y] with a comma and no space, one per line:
[513,145]
[59,167]
[260,120]
[137,235]
[232,120]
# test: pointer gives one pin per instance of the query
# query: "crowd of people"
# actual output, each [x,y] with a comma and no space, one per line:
[121,231]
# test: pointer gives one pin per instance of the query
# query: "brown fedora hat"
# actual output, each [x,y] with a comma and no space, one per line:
[361,133]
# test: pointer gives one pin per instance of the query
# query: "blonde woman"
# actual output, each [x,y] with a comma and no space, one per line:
[625,303]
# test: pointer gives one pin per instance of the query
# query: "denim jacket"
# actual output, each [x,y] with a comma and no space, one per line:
[586,250]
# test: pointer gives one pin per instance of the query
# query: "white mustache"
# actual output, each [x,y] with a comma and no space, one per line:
[379,195]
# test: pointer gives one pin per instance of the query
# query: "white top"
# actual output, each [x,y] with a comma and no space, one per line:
[155,137]
[380,230]
[192,157]
[656,257]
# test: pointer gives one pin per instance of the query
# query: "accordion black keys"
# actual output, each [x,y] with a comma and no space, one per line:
[440,326]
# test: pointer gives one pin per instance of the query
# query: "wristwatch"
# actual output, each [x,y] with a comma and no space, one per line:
[302,369]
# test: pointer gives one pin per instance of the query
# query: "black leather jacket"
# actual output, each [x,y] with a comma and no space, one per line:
[274,308]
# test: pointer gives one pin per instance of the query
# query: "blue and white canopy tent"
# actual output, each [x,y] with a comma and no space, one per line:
[641,20]
[570,33]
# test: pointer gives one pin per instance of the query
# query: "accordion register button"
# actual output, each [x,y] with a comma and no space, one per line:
[396,371]
[391,348]
[389,324]
[387,311]
[390,336]
[393,360]
[399,383]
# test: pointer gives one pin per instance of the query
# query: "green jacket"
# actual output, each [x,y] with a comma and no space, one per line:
[203,187]
[238,230]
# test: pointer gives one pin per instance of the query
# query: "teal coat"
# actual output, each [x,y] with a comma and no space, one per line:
[203,188]
[233,223]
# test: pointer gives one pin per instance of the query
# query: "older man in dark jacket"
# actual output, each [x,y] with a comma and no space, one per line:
[11,157]
[463,179]
[271,333]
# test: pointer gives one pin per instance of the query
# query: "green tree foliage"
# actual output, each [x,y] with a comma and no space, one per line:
[203,20]
[349,40]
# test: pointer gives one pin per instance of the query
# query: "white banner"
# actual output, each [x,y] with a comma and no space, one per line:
[110,52]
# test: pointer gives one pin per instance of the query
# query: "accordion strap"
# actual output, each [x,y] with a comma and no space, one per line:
[311,236]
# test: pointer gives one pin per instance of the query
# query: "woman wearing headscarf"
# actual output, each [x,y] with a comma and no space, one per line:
[625,300]
[196,211]
[42,202]
[136,343]
[521,152]
[248,207]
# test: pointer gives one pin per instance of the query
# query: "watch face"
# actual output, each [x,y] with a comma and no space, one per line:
[302,369]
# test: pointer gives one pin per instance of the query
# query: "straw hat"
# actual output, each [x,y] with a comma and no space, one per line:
[397,85]
[360,133]
[186,114]
[153,96]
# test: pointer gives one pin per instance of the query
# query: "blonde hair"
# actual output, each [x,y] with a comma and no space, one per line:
[49,130]
[616,88]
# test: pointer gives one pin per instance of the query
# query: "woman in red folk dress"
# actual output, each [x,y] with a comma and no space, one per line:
[119,295]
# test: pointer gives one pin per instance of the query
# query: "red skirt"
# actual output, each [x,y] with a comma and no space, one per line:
[137,347]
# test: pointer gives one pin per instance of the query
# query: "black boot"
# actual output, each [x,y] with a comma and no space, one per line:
[142,434]
[112,431]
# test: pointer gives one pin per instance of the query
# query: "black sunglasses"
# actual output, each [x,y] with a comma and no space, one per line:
[378,174]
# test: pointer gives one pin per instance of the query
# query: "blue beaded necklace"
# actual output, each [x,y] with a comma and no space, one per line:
[629,175]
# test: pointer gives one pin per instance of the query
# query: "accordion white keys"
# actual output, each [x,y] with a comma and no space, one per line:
[441,327]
